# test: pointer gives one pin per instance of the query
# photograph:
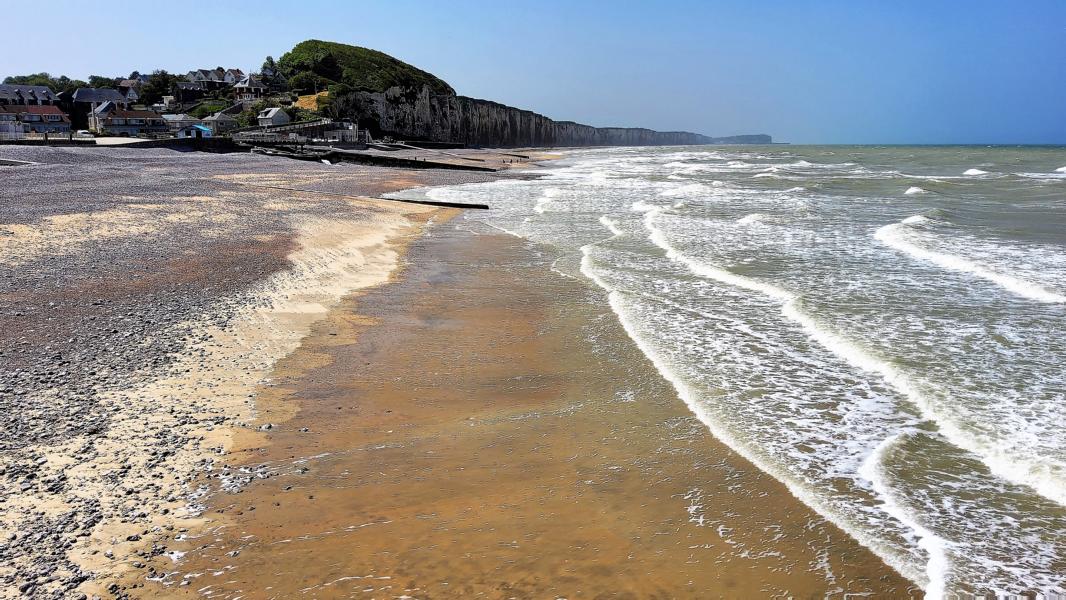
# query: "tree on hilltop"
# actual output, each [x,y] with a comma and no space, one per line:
[99,81]
[160,83]
[56,84]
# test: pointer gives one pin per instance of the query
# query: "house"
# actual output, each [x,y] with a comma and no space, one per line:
[37,118]
[217,78]
[220,123]
[81,104]
[180,121]
[94,97]
[130,93]
[26,94]
[130,88]
[187,91]
[109,119]
[272,117]
[249,88]
[10,128]
[194,132]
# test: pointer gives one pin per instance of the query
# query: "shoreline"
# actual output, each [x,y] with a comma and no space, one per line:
[388,478]
[184,440]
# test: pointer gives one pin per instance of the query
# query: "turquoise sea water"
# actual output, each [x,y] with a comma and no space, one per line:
[880,328]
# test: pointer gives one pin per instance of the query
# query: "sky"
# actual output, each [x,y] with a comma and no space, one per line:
[855,71]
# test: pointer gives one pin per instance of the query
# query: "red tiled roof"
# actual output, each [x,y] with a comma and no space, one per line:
[33,109]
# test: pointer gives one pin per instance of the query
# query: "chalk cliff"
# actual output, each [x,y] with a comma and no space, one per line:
[390,97]
[450,118]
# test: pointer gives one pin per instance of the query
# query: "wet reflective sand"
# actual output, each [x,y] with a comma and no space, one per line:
[478,428]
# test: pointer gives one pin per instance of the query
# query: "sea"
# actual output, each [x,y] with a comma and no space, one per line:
[881,328]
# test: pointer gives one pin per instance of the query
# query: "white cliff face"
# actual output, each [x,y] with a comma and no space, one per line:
[447,118]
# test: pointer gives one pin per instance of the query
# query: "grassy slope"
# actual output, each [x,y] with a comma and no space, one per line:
[361,68]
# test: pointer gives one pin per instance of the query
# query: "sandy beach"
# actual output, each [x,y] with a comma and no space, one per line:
[214,387]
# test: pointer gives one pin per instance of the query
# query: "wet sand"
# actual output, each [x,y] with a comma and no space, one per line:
[482,427]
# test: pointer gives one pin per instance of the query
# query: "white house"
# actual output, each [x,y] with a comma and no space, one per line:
[272,117]
[248,89]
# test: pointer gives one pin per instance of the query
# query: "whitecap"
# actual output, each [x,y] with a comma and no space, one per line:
[685,190]
[974,172]
[895,236]
[611,225]
[1060,170]
[642,206]
[915,190]
[751,219]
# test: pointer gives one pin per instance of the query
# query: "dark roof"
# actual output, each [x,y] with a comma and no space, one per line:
[21,93]
[250,82]
[105,107]
[99,95]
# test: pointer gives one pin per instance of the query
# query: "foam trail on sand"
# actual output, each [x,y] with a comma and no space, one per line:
[795,485]
[895,236]
[936,547]
[1011,468]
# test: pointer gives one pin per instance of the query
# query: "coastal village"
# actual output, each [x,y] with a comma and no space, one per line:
[202,104]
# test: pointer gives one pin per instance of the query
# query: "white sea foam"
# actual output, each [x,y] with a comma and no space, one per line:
[975,172]
[833,407]
[911,191]
[686,393]
[611,225]
[1011,468]
[1060,170]
[938,567]
[896,236]
[642,206]
[691,189]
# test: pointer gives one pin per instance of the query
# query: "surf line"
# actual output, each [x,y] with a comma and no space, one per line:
[615,300]
[1006,467]
[893,236]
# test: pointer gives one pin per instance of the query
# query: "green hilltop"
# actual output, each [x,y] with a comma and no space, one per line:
[321,64]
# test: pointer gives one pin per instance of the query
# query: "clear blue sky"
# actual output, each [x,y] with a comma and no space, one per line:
[897,71]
